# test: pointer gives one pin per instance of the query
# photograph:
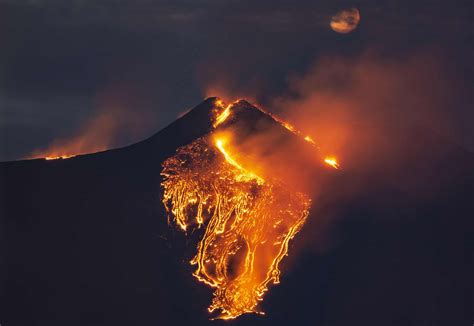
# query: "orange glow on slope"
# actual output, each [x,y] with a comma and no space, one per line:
[223,115]
[250,222]
[309,140]
[112,115]
[332,162]
[49,158]
[95,137]
[288,126]
[226,111]
[244,174]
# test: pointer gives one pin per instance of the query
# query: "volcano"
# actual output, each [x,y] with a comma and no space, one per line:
[89,240]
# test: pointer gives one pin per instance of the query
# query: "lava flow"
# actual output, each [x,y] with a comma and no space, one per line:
[249,220]
[332,162]
[63,157]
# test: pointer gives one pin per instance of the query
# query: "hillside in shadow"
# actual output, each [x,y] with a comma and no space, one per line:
[85,241]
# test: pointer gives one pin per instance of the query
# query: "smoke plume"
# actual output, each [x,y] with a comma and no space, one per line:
[115,119]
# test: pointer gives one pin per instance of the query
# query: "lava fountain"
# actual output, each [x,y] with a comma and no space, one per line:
[248,218]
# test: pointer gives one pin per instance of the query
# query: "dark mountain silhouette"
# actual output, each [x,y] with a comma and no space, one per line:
[85,241]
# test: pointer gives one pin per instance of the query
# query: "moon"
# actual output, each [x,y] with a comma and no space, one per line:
[345,21]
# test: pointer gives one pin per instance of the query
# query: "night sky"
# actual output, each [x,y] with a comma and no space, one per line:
[143,62]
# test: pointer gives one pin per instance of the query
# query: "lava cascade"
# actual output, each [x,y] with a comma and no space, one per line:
[248,220]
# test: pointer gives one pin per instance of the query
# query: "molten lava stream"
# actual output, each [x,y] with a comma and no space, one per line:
[332,161]
[52,157]
[249,222]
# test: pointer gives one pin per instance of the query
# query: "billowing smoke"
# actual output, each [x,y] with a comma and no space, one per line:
[391,123]
[350,105]
[115,119]
[387,120]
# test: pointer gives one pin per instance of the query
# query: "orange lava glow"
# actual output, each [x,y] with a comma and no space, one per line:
[63,157]
[309,140]
[248,220]
[332,162]
[222,112]
[244,175]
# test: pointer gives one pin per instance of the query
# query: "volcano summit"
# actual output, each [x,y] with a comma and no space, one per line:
[251,210]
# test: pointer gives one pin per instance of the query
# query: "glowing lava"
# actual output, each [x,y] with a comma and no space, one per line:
[49,158]
[332,162]
[248,220]
[223,115]
[244,175]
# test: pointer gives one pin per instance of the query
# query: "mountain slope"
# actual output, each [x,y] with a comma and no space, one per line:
[85,241]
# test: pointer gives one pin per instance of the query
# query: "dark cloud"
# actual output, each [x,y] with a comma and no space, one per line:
[57,57]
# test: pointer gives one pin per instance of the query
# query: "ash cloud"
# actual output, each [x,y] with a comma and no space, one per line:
[340,99]
[398,128]
[392,122]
